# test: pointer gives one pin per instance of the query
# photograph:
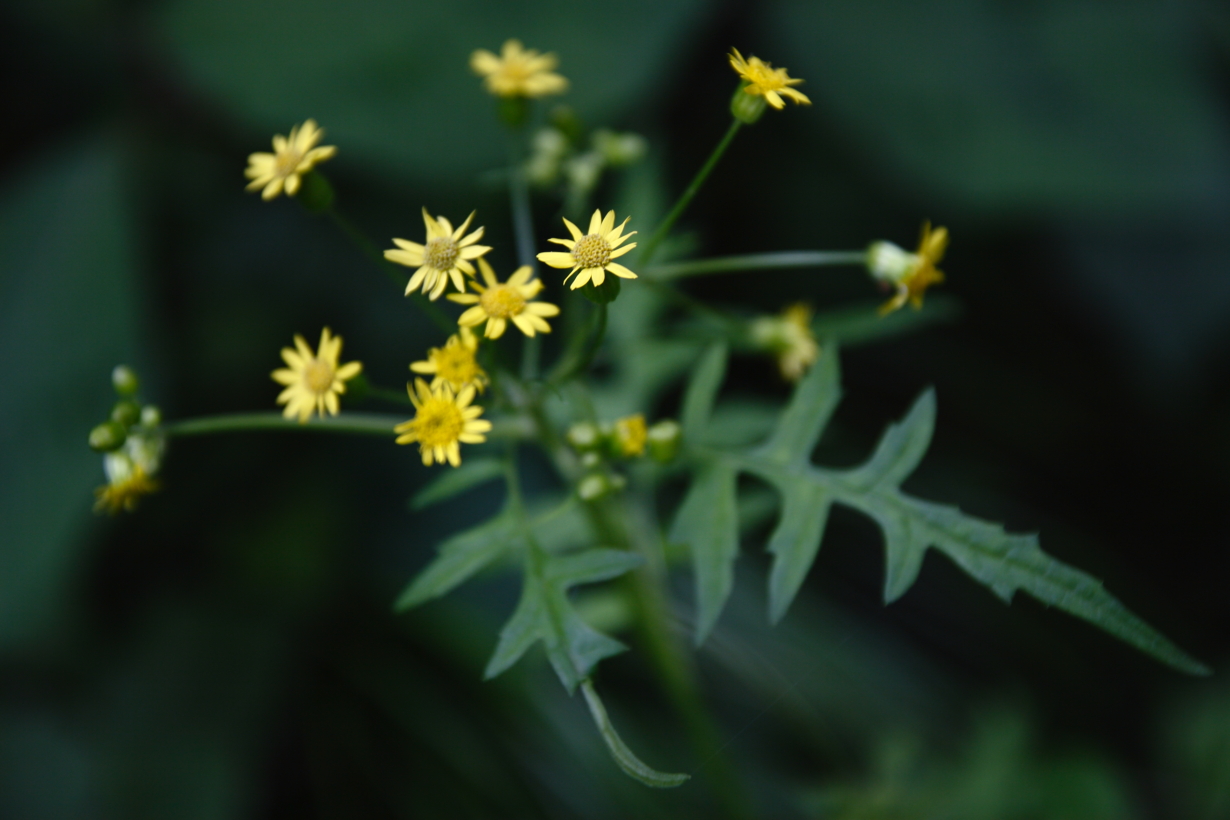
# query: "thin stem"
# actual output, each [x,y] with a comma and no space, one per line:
[577,360]
[523,230]
[685,199]
[377,424]
[756,261]
[394,272]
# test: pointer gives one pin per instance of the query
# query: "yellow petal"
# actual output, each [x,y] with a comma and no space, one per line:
[557,259]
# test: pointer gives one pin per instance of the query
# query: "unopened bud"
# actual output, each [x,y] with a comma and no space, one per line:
[663,440]
[593,487]
[107,436]
[151,416]
[619,149]
[126,413]
[583,435]
[629,436]
[124,379]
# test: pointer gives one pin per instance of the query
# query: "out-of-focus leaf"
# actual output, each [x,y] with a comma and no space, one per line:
[702,390]
[460,557]
[390,81]
[545,613]
[471,473]
[707,522]
[808,412]
[795,541]
[67,313]
[632,765]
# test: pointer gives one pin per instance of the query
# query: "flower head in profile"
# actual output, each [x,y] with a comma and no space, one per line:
[292,157]
[909,273]
[630,434]
[443,420]
[130,472]
[766,81]
[445,255]
[518,72]
[591,255]
[313,381]
[498,303]
[455,364]
[789,338]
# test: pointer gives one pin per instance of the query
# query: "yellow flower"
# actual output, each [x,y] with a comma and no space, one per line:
[293,156]
[454,364]
[765,80]
[591,254]
[518,72]
[910,273]
[313,382]
[789,337]
[630,435]
[446,254]
[442,419]
[125,488]
[499,302]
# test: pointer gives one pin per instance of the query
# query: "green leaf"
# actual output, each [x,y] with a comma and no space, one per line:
[545,613]
[808,412]
[624,758]
[707,522]
[900,449]
[460,557]
[702,390]
[471,473]
[795,542]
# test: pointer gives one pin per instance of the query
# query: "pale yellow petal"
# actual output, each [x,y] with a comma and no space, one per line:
[595,222]
[495,327]
[573,229]
[620,271]
[523,324]
[557,259]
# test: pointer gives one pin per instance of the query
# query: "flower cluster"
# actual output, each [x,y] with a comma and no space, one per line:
[132,443]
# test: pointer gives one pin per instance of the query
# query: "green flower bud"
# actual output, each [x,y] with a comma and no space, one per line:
[583,436]
[593,487]
[663,440]
[107,437]
[125,380]
[126,412]
[747,108]
[602,294]
[315,192]
[151,416]
[619,149]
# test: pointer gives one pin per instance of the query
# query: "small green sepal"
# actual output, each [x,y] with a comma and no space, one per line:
[602,294]
[747,108]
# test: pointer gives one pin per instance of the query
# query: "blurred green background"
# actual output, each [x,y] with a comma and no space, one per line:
[230,650]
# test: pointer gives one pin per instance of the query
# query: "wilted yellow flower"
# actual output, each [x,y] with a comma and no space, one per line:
[518,72]
[766,81]
[591,253]
[630,435]
[313,382]
[455,363]
[442,421]
[446,254]
[293,156]
[910,273]
[125,488]
[498,303]
[788,337]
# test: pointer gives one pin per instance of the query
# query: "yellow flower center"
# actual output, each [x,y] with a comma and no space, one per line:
[441,253]
[438,423]
[318,376]
[769,79]
[455,363]
[502,301]
[592,251]
[286,162]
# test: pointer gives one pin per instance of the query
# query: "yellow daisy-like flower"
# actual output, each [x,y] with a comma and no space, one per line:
[442,420]
[313,382]
[910,273]
[455,363]
[447,254]
[127,483]
[501,302]
[593,252]
[518,72]
[788,337]
[631,434]
[766,81]
[293,156]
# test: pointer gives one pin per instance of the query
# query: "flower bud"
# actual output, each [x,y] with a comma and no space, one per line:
[663,439]
[126,412]
[583,435]
[618,149]
[107,437]
[124,380]
[151,416]
[593,487]
[890,263]
[628,436]
[583,172]
[747,108]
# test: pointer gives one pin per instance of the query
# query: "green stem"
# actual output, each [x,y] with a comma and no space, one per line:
[394,272]
[578,360]
[756,261]
[355,423]
[523,230]
[685,199]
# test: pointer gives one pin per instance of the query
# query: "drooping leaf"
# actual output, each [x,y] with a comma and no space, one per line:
[460,557]
[707,522]
[626,760]
[471,473]
[702,390]
[545,613]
